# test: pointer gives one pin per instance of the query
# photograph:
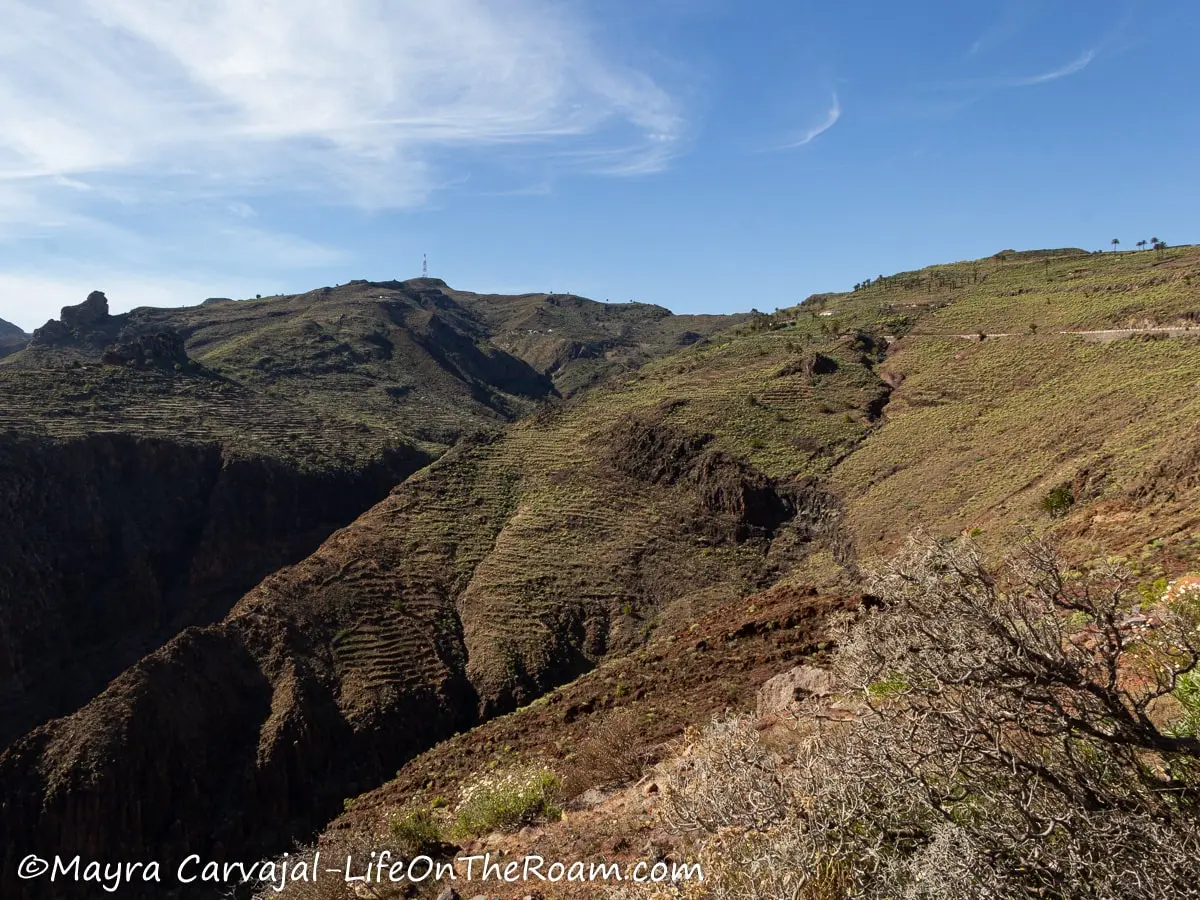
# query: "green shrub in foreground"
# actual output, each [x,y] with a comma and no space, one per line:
[507,802]
[416,832]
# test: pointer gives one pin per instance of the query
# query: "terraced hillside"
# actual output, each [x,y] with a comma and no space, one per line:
[277,420]
[777,453]
[510,565]
[1087,380]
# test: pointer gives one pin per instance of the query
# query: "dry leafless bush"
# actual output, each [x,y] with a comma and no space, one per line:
[724,778]
[612,753]
[1017,702]
[1011,744]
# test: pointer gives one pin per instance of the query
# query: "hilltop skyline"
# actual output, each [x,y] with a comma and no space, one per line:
[670,153]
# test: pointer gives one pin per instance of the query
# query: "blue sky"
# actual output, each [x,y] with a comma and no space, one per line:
[708,155]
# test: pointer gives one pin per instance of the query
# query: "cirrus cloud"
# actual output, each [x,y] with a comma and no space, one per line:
[812,133]
[139,138]
[350,98]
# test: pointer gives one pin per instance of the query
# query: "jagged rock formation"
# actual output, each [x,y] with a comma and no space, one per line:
[88,315]
[84,329]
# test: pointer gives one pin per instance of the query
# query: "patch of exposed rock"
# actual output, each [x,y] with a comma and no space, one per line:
[164,350]
[81,330]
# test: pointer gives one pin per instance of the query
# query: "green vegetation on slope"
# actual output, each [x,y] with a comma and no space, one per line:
[403,362]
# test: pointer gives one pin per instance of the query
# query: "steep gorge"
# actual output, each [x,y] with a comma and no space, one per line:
[399,631]
[114,543]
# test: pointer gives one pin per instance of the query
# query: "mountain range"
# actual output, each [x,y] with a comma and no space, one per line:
[269,555]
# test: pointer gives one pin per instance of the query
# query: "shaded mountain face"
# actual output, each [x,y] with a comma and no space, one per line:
[115,543]
[160,463]
[778,453]
[12,339]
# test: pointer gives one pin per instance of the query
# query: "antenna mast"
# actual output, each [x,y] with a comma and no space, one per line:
[424,265]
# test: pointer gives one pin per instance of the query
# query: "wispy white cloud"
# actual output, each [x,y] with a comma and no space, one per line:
[1076,65]
[351,98]
[831,117]
[121,116]
[1001,82]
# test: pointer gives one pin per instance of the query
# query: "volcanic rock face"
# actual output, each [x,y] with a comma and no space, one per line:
[87,333]
[85,328]
[87,315]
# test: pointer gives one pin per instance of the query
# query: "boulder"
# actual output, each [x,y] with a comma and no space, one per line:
[782,694]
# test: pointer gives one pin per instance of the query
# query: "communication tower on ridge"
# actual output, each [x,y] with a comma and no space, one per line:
[424,265]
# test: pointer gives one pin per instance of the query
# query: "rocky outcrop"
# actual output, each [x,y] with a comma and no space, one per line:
[86,316]
[164,349]
[729,489]
[84,329]
[88,333]
[783,695]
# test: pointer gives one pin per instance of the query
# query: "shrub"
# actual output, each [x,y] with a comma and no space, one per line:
[1021,758]
[724,778]
[416,832]
[1059,501]
[507,801]
[1003,747]
[611,753]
